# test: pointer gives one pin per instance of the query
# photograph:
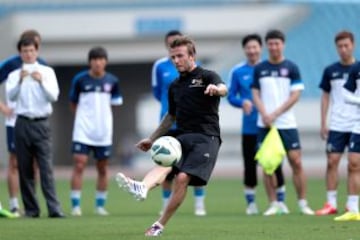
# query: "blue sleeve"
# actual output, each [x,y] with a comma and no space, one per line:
[233,97]
[350,84]
[116,97]
[75,90]
[42,61]
[156,82]
[325,81]
[295,75]
[8,66]
[256,78]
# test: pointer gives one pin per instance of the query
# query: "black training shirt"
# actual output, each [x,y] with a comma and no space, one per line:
[195,112]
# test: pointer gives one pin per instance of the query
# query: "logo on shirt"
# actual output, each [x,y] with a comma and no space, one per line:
[197,83]
[335,74]
[284,72]
[345,76]
[87,87]
[264,72]
[107,87]
[274,74]
[166,74]
[98,89]
[295,145]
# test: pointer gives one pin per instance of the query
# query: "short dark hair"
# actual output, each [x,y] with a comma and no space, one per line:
[184,41]
[97,52]
[250,37]
[275,34]
[24,42]
[343,35]
[172,33]
[31,33]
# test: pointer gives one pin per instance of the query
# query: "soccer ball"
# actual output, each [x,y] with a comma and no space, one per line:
[166,151]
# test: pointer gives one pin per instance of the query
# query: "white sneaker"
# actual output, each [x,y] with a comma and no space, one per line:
[101,211]
[76,212]
[306,210]
[200,212]
[252,209]
[137,189]
[283,209]
[16,212]
[154,231]
[272,210]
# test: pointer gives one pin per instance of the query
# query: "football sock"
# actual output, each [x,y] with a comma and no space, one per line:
[249,195]
[353,203]
[199,194]
[280,193]
[14,203]
[165,197]
[331,198]
[302,203]
[100,198]
[75,196]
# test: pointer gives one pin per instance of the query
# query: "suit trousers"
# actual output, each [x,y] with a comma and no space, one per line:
[33,143]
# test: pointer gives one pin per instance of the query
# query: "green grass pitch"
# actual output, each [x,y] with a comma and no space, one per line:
[225,219]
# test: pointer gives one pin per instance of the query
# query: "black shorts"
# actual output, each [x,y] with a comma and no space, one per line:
[199,154]
[337,141]
[289,137]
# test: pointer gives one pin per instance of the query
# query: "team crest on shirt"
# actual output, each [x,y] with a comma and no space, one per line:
[196,83]
[274,73]
[284,72]
[107,87]
[264,72]
[335,74]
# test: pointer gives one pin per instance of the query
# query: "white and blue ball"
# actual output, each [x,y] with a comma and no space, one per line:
[166,151]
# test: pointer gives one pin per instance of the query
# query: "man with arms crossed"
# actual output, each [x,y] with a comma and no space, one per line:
[276,88]
[342,116]
[194,102]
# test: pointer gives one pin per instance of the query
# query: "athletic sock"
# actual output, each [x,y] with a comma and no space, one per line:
[249,195]
[199,194]
[331,198]
[165,197]
[281,193]
[14,203]
[353,203]
[75,196]
[302,203]
[100,198]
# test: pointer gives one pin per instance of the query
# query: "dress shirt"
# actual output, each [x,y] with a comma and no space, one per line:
[33,99]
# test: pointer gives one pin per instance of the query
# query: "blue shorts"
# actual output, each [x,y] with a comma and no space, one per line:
[289,137]
[354,145]
[10,139]
[100,152]
[337,141]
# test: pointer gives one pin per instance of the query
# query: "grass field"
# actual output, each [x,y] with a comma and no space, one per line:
[225,220]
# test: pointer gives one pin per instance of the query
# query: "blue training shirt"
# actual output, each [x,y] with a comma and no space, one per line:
[163,74]
[12,63]
[241,78]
